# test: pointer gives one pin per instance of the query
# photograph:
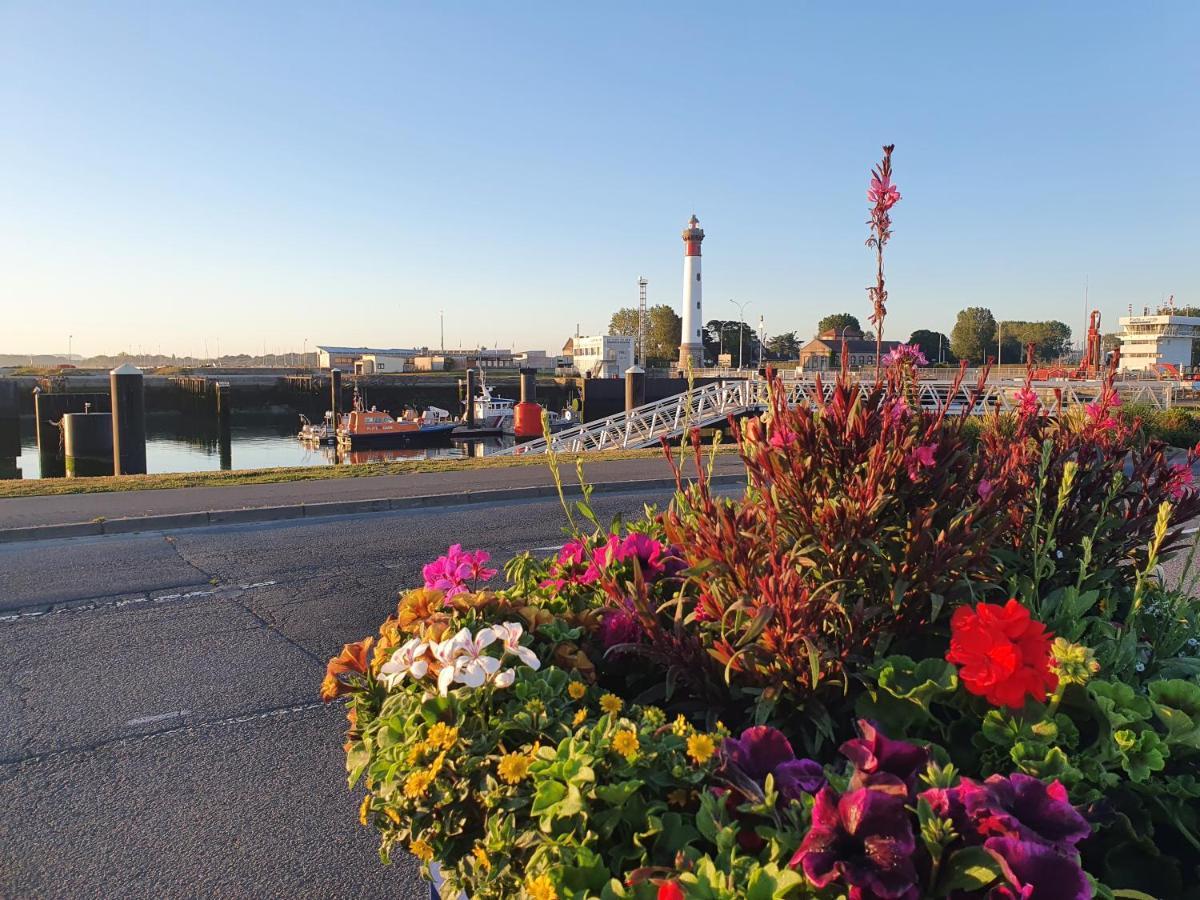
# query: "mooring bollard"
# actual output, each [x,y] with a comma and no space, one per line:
[469,418]
[88,444]
[335,393]
[635,388]
[224,427]
[128,420]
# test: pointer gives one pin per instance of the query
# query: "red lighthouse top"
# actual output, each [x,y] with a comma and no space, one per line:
[692,236]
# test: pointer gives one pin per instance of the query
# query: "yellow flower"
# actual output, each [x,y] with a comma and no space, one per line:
[421,850]
[481,858]
[416,784]
[362,810]
[1072,663]
[576,689]
[721,729]
[414,754]
[541,888]
[680,727]
[514,767]
[580,718]
[626,743]
[700,747]
[392,814]
[441,737]
[611,704]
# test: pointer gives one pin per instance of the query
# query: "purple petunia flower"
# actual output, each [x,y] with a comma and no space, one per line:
[1023,807]
[875,753]
[1035,871]
[864,839]
[763,751]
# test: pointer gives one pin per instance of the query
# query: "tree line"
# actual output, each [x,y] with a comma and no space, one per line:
[976,337]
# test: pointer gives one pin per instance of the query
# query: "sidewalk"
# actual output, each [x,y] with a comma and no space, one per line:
[123,511]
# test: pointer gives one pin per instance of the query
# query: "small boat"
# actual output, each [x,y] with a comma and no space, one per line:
[494,415]
[366,428]
[324,433]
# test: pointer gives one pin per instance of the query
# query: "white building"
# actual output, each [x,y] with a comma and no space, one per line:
[1149,341]
[537,359]
[372,363]
[603,356]
[345,357]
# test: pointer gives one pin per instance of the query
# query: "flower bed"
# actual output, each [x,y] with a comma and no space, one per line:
[902,664]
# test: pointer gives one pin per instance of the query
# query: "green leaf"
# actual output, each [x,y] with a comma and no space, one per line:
[968,869]
[548,794]
[617,794]
[1140,754]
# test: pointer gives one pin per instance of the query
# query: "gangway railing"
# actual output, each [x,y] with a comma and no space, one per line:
[647,425]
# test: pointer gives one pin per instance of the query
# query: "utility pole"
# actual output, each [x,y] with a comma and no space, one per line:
[999,328]
[442,326]
[761,324]
[741,327]
[642,321]
[70,341]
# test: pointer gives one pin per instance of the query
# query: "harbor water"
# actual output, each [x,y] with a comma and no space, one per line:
[258,439]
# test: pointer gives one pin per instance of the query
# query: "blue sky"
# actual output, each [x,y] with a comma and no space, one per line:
[274,172]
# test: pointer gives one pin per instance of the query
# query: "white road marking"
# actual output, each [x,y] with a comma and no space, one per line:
[133,601]
[544,549]
[162,717]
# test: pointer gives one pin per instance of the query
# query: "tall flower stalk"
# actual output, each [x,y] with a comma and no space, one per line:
[883,195]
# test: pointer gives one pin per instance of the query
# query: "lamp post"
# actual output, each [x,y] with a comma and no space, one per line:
[843,343]
[741,307]
[70,340]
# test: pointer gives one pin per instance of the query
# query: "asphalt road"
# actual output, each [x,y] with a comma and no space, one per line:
[161,734]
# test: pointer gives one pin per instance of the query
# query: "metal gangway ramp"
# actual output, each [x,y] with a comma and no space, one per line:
[647,425]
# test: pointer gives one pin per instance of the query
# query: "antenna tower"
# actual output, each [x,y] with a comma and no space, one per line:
[642,321]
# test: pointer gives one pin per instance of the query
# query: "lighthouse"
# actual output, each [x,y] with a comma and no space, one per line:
[691,345]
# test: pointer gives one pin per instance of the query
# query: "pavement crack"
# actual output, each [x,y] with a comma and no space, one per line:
[274,629]
[174,545]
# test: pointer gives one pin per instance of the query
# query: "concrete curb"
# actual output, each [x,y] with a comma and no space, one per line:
[202,519]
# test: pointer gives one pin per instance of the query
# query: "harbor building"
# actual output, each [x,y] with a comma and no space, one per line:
[691,346]
[602,356]
[1164,340]
[345,357]
[822,353]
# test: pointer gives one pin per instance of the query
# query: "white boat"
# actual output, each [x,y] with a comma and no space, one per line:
[322,433]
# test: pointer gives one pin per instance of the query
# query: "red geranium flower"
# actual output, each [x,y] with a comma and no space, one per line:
[1002,654]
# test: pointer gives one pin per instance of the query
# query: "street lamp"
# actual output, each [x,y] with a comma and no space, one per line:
[741,307]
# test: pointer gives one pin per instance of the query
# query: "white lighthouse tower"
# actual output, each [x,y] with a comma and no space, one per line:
[691,345]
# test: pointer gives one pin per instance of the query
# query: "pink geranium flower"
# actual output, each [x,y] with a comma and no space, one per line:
[451,573]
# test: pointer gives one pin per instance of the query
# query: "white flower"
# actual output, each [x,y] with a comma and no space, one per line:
[510,633]
[473,666]
[408,659]
[505,679]
[463,660]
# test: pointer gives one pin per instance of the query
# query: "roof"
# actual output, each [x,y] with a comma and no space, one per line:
[852,346]
[376,350]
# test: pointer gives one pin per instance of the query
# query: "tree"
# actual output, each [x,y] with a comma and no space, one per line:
[1110,341]
[725,335]
[783,346]
[934,345]
[974,334]
[1051,340]
[838,321]
[663,331]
